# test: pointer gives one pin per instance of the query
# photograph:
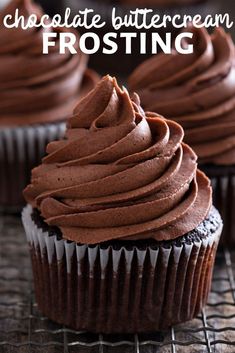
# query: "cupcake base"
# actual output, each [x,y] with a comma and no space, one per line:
[21,149]
[121,286]
[223,183]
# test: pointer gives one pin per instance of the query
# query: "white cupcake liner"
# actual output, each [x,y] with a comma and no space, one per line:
[21,149]
[126,289]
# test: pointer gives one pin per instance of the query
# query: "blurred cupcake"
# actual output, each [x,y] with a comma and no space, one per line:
[111,63]
[37,93]
[198,92]
[120,221]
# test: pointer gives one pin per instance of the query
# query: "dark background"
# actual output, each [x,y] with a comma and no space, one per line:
[229,6]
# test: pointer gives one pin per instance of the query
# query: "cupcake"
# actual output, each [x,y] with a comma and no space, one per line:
[197,91]
[37,93]
[119,221]
[111,63]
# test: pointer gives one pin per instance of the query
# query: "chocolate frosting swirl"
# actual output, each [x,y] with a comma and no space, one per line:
[119,173]
[197,91]
[37,88]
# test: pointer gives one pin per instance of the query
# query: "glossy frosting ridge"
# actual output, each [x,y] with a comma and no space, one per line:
[120,173]
[197,91]
[37,88]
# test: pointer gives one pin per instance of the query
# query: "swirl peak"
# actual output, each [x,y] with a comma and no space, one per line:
[119,173]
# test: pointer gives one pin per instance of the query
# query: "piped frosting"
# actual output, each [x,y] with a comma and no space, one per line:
[37,88]
[197,91]
[120,173]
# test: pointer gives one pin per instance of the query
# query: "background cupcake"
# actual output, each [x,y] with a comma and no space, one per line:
[112,63]
[37,93]
[120,222]
[198,91]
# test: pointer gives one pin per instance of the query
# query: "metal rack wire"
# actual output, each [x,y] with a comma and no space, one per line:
[23,329]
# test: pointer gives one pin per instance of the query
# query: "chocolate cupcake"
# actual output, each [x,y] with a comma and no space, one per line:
[121,63]
[37,93]
[197,91]
[120,222]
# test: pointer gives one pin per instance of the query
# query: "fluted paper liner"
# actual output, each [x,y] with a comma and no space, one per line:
[107,289]
[21,149]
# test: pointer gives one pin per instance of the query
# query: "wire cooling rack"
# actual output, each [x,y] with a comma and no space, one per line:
[24,330]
